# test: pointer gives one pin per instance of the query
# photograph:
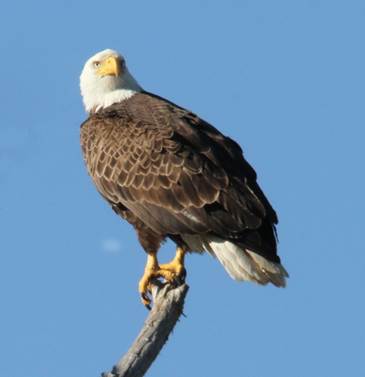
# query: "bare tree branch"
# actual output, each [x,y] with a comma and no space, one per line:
[167,308]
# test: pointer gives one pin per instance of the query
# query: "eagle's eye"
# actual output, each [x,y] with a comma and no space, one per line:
[96,64]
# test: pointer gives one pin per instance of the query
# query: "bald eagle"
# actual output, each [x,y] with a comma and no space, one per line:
[172,175]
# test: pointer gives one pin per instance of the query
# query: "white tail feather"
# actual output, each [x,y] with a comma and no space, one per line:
[244,264]
[241,264]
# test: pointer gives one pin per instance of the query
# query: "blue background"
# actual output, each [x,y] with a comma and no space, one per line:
[286,80]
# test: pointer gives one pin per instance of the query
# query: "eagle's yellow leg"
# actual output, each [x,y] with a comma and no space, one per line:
[176,267]
[171,272]
[151,271]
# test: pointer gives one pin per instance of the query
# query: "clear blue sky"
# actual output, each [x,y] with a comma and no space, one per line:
[286,80]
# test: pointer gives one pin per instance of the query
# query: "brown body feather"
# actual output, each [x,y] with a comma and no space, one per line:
[169,173]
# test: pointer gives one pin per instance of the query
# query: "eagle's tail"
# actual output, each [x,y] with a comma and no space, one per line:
[244,264]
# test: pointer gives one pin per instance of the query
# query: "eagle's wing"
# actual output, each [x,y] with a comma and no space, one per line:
[177,173]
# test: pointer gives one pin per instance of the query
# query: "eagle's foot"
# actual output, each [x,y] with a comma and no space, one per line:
[152,271]
[173,273]
[145,284]
[175,270]
[144,288]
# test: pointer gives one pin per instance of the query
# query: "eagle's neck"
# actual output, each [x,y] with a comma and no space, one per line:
[98,95]
[108,99]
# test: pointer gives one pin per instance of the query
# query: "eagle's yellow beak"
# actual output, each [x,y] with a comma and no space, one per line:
[111,66]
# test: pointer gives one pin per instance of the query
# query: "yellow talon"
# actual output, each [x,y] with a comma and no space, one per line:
[176,267]
[150,272]
[172,272]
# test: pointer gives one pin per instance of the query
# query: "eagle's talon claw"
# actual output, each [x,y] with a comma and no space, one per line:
[146,301]
[182,276]
[179,279]
[173,273]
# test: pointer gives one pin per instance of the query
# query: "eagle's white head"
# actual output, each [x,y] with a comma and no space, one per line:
[105,80]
